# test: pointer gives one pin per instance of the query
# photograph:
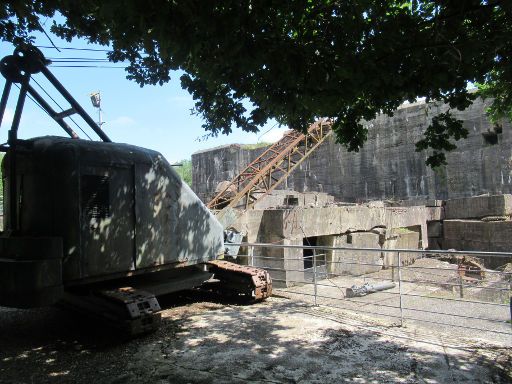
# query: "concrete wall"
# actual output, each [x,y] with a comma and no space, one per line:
[479,207]
[343,262]
[366,226]
[475,235]
[212,166]
[480,223]
[401,238]
[280,199]
[387,167]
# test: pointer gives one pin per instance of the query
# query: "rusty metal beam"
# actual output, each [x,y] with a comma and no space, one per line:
[260,175]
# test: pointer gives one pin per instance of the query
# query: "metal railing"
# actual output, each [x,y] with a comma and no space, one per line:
[424,285]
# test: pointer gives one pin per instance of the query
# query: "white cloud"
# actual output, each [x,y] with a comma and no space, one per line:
[120,122]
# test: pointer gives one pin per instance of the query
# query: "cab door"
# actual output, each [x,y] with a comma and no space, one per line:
[107,219]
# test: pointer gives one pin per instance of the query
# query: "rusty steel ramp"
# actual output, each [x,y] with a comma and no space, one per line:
[270,169]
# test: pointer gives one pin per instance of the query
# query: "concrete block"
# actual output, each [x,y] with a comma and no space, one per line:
[270,201]
[434,203]
[474,235]
[341,262]
[434,213]
[422,202]
[401,238]
[291,199]
[307,222]
[464,230]
[478,207]
[317,199]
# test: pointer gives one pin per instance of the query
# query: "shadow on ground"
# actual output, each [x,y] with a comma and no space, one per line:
[205,339]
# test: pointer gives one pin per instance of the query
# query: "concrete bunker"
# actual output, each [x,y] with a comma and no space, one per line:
[383,197]
[328,224]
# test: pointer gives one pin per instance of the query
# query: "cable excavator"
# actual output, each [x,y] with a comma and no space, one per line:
[101,227]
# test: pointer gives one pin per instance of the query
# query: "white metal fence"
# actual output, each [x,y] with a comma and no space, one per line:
[445,288]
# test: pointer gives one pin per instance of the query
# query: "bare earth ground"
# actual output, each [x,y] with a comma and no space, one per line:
[430,299]
[279,341]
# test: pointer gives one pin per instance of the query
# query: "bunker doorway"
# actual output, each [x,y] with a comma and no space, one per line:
[309,255]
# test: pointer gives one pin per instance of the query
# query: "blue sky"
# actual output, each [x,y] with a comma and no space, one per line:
[155,117]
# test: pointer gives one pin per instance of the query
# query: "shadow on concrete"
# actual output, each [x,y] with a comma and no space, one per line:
[205,339]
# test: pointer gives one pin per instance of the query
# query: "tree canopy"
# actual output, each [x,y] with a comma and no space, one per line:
[184,170]
[295,61]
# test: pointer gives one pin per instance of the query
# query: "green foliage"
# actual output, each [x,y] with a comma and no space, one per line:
[294,61]
[185,171]
[499,88]
[437,137]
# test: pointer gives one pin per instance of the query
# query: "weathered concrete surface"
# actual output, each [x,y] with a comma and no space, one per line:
[401,238]
[478,207]
[478,235]
[281,198]
[338,220]
[474,235]
[388,166]
[341,262]
[213,166]
[423,202]
[332,226]
[434,213]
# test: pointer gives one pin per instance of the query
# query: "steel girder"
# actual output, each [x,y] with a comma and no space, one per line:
[271,168]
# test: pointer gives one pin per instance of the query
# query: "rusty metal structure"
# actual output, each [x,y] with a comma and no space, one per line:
[271,168]
[101,227]
[232,276]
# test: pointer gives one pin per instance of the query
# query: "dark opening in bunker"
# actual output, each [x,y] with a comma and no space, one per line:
[310,254]
[490,138]
[291,200]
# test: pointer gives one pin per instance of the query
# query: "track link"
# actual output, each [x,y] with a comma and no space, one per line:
[132,310]
[242,279]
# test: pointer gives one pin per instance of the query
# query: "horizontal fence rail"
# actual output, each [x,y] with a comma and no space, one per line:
[454,291]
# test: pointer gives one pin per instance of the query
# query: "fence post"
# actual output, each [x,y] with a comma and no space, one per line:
[314,273]
[393,272]
[251,255]
[400,287]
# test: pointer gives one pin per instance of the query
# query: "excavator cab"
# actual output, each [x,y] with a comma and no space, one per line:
[101,226]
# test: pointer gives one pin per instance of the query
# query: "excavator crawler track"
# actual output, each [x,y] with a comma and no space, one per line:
[131,310]
[242,279]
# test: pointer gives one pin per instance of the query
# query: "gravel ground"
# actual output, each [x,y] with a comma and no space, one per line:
[279,341]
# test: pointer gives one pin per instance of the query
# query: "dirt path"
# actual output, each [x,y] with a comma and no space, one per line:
[280,341]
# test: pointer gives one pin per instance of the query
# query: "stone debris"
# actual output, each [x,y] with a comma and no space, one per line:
[467,266]
[367,288]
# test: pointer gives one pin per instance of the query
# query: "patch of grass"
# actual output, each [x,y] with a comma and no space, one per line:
[255,146]
[402,230]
